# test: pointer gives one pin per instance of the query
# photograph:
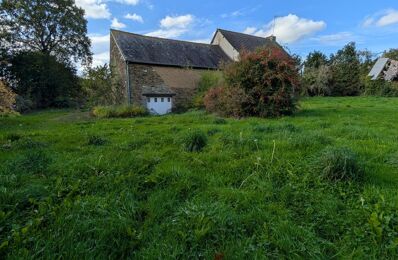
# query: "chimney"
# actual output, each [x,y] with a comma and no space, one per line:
[272,38]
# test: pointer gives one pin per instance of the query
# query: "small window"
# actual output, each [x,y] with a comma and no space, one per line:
[156,99]
[148,100]
[162,100]
[168,99]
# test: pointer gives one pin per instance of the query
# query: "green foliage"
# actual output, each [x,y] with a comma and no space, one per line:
[346,72]
[253,192]
[380,88]
[208,80]
[122,111]
[195,140]
[316,81]
[52,27]
[391,54]
[262,83]
[102,87]
[44,81]
[340,164]
[315,60]
[226,101]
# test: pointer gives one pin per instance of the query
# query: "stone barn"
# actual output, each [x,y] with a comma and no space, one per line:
[163,74]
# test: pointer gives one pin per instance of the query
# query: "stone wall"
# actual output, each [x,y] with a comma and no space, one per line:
[182,81]
[118,67]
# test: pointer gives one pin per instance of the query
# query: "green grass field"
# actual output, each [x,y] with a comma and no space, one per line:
[72,186]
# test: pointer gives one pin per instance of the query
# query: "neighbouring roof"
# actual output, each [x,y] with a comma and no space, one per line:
[160,90]
[378,68]
[392,71]
[385,68]
[241,41]
[158,51]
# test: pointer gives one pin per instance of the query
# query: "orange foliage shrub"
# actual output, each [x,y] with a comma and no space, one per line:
[263,83]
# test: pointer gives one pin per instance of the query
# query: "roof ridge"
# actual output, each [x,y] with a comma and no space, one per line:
[160,38]
[266,38]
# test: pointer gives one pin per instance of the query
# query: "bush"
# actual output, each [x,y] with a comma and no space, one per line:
[208,80]
[195,141]
[225,101]
[263,83]
[380,88]
[340,164]
[123,111]
[101,86]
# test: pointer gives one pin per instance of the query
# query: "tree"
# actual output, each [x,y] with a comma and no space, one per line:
[52,27]
[316,76]
[346,72]
[102,87]
[315,60]
[391,54]
[44,81]
[316,81]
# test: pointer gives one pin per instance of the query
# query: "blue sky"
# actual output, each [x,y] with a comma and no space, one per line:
[301,26]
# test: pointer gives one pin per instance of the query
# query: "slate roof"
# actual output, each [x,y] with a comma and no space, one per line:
[241,41]
[160,90]
[158,51]
[378,68]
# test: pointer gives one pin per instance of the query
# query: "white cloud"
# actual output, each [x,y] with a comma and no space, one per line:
[368,22]
[341,37]
[100,59]
[95,9]
[250,30]
[134,17]
[173,26]
[100,48]
[182,21]
[169,33]
[381,19]
[391,17]
[335,37]
[289,29]
[116,24]
[207,40]
[128,2]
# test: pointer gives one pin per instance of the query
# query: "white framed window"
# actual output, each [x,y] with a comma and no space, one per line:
[162,100]
[168,99]
[156,99]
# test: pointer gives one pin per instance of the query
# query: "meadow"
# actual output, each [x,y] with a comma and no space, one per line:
[73,186]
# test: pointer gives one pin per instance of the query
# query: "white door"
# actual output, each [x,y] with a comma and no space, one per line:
[159,105]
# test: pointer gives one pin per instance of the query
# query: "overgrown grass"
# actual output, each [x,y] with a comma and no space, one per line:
[77,187]
[122,111]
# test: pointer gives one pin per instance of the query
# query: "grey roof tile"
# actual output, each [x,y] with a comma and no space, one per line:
[151,50]
[241,41]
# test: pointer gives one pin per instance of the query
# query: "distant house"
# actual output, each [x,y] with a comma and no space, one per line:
[163,74]
[386,69]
